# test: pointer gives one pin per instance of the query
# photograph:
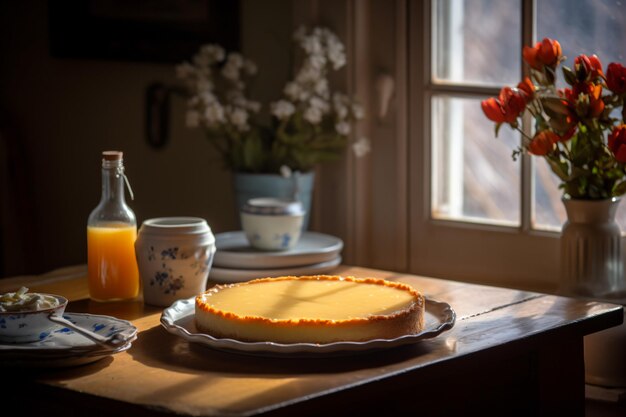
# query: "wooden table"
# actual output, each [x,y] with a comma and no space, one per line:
[510,353]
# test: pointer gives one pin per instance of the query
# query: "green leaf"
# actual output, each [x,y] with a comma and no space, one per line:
[569,76]
[498,125]
[619,188]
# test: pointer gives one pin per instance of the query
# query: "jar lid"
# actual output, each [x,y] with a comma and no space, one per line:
[273,206]
[176,226]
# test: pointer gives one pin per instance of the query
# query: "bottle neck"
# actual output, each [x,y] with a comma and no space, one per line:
[113,181]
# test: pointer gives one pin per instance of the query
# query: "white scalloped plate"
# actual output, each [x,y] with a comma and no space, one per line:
[234,251]
[241,275]
[178,319]
[64,347]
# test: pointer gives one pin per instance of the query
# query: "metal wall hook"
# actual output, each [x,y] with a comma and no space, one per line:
[157,113]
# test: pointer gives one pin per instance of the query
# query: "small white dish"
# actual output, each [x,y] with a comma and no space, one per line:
[234,251]
[30,325]
[178,319]
[240,275]
[272,224]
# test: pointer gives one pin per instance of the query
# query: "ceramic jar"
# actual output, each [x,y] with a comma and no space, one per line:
[272,223]
[174,256]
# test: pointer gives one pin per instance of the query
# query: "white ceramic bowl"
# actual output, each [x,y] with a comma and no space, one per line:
[272,223]
[174,256]
[29,325]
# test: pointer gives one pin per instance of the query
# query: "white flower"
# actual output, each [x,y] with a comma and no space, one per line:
[239,118]
[235,59]
[343,128]
[313,115]
[322,105]
[285,171]
[357,111]
[230,71]
[185,70]
[340,102]
[214,114]
[317,61]
[321,88]
[207,97]
[193,118]
[311,45]
[217,82]
[341,110]
[336,54]
[303,96]
[308,73]
[282,109]
[361,147]
[214,52]
[292,90]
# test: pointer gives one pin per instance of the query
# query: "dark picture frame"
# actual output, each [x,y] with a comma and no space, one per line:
[141,30]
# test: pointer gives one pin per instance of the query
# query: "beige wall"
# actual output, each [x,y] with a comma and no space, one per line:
[66,111]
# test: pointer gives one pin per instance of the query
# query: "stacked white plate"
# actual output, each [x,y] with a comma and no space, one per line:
[63,347]
[236,261]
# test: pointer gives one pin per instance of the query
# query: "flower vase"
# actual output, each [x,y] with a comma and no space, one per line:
[298,186]
[592,262]
[592,267]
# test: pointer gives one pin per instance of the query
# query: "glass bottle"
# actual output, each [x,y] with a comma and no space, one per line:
[111,234]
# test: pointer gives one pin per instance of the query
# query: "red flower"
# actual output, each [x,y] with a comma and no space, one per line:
[507,107]
[588,67]
[616,78]
[617,143]
[528,88]
[543,143]
[596,104]
[573,124]
[544,53]
[585,99]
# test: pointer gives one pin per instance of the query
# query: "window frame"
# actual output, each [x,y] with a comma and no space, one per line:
[521,256]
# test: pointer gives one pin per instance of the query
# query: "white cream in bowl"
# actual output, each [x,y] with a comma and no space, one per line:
[24,315]
[22,300]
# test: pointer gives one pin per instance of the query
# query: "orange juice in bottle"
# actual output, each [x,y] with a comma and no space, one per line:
[111,234]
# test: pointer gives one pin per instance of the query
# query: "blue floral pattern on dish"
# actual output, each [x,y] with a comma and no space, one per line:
[61,337]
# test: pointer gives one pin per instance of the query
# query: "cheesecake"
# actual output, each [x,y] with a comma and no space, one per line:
[310,309]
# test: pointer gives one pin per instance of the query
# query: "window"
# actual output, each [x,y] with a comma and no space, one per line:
[477,215]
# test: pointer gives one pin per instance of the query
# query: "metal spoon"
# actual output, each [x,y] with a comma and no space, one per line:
[112,342]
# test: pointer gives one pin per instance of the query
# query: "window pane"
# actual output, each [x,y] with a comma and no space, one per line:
[477,41]
[581,27]
[549,213]
[585,27]
[473,175]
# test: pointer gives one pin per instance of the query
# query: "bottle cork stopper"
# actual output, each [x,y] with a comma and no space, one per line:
[112,155]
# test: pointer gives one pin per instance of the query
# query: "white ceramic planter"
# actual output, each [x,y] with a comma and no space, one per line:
[174,256]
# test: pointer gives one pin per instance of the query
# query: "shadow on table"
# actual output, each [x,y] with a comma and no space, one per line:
[156,347]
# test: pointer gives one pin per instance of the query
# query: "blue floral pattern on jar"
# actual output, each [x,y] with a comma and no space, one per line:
[167,281]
